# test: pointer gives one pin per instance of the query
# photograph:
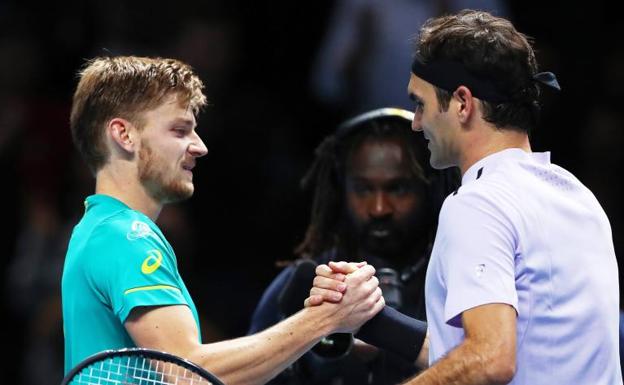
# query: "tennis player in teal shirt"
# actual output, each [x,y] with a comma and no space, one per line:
[133,121]
[119,257]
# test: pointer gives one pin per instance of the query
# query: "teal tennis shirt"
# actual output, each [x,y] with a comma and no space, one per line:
[117,259]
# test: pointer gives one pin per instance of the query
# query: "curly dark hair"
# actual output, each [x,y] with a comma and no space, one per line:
[327,229]
[488,47]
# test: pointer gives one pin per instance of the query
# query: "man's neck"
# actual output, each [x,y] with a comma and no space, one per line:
[125,186]
[488,141]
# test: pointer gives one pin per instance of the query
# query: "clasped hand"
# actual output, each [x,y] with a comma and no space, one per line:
[351,288]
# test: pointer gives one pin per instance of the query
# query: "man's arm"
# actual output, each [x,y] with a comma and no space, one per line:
[257,358]
[486,356]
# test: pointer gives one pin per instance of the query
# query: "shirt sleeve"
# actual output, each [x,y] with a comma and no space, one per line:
[133,272]
[479,255]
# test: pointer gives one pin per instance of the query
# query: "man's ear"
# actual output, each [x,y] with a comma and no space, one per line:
[466,103]
[121,132]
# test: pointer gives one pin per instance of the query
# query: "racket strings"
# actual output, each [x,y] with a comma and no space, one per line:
[137,371]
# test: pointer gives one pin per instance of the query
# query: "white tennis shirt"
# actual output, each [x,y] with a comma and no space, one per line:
[525,232]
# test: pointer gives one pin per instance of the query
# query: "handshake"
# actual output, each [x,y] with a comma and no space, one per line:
[348,293]
[332,280]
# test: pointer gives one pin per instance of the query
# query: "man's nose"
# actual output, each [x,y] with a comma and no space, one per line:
[197,148]
[381,205]
[416,122]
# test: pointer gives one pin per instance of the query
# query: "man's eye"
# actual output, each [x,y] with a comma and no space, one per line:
[399,188]
[360,188]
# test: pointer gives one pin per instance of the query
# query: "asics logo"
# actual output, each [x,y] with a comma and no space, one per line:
[152,262]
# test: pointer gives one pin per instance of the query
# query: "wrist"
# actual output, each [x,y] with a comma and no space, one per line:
[321,319]
[394,331]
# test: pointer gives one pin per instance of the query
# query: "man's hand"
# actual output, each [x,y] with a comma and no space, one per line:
[329,283]
[360,301]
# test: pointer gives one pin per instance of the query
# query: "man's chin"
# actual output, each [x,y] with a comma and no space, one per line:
[382,247]
[436,163]
[440,163]
[179,193]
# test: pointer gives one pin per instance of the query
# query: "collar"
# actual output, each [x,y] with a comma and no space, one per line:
[493,161]
[101,199]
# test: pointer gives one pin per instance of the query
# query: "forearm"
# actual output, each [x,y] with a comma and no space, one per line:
[257,358]
[468,364]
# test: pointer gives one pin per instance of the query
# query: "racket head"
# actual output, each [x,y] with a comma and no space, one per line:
[138,366]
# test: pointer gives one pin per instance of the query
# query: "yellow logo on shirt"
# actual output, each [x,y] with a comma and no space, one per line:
[152,262]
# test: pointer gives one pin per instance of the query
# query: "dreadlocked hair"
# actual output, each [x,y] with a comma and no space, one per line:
[326,176]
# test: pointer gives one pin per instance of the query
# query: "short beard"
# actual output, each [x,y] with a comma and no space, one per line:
[152,177]
[409,237]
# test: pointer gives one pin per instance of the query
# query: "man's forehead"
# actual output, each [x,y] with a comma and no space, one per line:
[416,86]
[374,155]
[184,120]
[177,110]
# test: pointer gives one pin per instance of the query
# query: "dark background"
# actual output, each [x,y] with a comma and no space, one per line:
[257,60]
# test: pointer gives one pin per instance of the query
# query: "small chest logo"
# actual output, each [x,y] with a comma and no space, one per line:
[152,262]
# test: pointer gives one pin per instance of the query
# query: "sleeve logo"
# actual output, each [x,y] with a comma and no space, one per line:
[152,262]
[139,230]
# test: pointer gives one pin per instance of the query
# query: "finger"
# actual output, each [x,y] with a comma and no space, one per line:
[313,300]
[327,295]
[373,281]
[329,283]
[343,267]
[379,305]
[377,294]
[362,274]
[324,270]
[369,289]
[370,301]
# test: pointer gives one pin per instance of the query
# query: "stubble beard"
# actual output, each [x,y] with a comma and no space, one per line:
[152,174]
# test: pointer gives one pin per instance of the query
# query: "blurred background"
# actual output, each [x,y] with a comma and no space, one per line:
[280,75]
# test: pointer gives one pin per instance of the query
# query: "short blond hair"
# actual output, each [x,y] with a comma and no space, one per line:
[125,86]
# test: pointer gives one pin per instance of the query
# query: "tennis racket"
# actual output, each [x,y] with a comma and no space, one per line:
[138,366]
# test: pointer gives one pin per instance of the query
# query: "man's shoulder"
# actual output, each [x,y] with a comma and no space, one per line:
[506,180]
[112,242]
[495,196]
[123,224]
[115,233]
[484,191]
